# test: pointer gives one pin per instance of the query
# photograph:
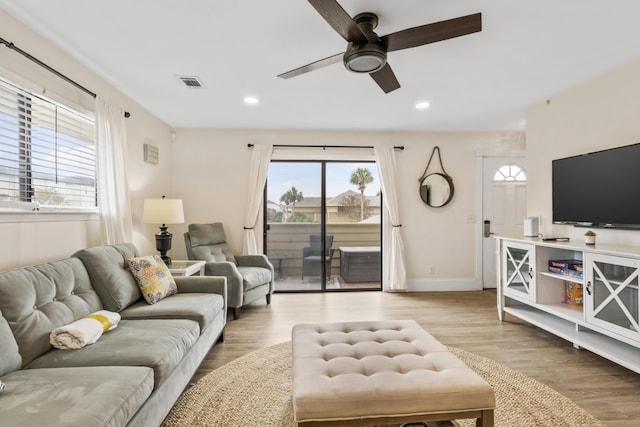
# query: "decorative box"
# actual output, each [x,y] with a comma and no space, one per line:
[574,294]
[566,267]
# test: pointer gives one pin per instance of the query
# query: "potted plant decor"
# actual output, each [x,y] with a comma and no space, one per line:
[590,237]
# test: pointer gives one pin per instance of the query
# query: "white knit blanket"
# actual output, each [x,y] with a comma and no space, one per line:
[84,331]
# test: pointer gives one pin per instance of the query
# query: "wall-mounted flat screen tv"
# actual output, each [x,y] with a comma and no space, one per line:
[598,189]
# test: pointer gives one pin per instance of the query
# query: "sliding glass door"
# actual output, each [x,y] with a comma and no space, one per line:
[323,225]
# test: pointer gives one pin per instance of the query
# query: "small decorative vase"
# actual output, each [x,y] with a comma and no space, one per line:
[590,240]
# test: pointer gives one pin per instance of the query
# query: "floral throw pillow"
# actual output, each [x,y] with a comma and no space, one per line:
[153,278]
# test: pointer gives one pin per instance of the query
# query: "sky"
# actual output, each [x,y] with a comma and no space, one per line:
[305,176]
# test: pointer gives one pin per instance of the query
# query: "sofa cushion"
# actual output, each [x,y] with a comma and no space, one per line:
[252,277]
[153,277]
[10,358]
[110,275]
[159,344]
[203,308]
[63,397]
[35,300]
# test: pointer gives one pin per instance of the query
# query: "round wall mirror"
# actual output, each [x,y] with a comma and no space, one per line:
[436,190]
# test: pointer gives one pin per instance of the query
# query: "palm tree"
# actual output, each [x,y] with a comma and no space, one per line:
[291,197]
[361,177]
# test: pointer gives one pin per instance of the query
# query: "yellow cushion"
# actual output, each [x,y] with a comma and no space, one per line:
[153,278]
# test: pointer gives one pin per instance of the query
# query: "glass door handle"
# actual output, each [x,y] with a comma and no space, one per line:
[588,287]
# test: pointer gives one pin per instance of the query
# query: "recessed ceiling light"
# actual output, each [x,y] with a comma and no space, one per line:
[251,100]
[422,105]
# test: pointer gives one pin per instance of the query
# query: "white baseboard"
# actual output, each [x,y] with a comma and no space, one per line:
[439,285]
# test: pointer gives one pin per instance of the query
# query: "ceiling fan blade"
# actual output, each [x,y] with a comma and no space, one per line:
[339,19]
[386,79]
[313,66]
[435,32]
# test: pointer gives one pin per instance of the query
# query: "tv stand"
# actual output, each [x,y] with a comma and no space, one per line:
[608,321]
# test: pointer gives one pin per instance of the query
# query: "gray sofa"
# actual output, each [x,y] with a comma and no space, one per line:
[133,374]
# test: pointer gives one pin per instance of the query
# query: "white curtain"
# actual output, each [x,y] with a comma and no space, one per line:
[113,187]
[395,274]
[257,177]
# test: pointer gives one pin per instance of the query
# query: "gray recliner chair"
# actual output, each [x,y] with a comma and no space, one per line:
[249,277]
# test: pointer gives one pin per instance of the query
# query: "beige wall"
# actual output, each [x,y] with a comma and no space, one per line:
[212,168]
[28,239]
[602,113]
[209,170]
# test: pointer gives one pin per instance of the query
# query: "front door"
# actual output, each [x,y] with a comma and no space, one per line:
[504,197]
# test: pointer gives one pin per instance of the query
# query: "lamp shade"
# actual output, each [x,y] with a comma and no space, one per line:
[163,211]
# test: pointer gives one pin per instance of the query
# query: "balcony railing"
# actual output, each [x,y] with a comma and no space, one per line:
[286,240]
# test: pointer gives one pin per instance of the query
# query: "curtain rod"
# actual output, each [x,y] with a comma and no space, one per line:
[32,58]
[324,147]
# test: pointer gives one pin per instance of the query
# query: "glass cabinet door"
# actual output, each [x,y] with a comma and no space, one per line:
[611,294]
[518,274]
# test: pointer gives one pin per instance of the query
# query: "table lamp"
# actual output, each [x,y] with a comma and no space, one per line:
[163,211]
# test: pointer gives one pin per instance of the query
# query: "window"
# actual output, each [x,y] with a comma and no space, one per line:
[510,173]
[47,154]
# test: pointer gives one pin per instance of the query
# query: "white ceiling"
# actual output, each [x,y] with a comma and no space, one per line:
[526,52]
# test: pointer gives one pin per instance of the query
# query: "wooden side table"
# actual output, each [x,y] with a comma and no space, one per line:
[187,268]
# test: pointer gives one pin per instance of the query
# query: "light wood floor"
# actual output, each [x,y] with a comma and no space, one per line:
[466,320]
[296,284]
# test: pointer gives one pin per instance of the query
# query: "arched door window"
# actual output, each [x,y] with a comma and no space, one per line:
[510,173]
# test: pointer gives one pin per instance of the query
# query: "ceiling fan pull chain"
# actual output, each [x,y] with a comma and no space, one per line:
[424,174]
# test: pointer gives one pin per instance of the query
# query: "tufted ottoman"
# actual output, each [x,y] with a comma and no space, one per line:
[381,372]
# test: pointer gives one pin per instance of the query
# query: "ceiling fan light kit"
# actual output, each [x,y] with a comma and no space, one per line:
[366,52]
[369,56]
[366,58]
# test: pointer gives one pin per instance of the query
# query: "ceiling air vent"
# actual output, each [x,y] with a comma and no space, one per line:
[191,81]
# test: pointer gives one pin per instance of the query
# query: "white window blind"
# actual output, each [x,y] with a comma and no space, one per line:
[47,154]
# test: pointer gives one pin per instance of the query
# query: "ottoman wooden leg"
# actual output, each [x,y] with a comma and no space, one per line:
[486,420]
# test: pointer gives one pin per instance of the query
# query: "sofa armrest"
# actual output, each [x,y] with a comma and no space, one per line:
[254,261]
[233,276]
[203,284]
[221,268]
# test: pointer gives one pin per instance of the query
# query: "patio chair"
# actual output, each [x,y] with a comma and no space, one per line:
[312,256]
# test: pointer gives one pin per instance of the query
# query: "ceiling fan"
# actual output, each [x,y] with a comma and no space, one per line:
[367,52]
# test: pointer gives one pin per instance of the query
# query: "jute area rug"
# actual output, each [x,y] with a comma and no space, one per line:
[255,390]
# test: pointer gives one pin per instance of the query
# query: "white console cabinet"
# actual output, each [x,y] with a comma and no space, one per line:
[608,321]
[518,270]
